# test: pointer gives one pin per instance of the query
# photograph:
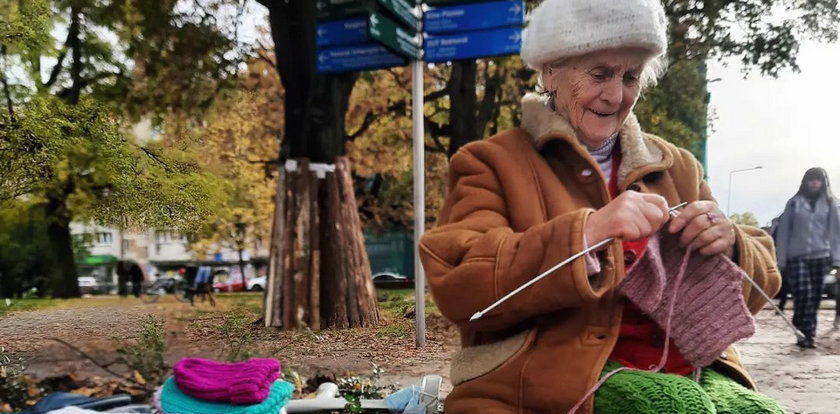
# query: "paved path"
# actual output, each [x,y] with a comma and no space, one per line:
[804,381]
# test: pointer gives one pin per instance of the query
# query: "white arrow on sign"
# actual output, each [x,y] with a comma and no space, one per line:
[373,20]
[322,57]
[516,9]
[516,37]
[321,32]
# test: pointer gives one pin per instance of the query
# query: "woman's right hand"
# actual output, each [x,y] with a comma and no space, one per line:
[630,216]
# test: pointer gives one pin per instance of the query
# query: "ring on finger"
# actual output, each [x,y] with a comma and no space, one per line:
[712,217]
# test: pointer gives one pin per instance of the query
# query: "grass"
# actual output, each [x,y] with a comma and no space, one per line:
[401,329]
[29,304]
[396,302]
[251,301]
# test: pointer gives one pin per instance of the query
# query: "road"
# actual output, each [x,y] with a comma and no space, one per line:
[804,381]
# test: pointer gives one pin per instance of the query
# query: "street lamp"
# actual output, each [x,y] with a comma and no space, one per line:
[729,195]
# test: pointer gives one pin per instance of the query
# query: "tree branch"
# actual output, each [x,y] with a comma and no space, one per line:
[156,158]
[433,96]
[370,117]
[439,145]
[261,55]
[366,123]
[434,128]
[57,68]
[91,359]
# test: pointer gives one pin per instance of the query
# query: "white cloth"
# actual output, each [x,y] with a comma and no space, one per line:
[77,410]
[73,410]
[564,28]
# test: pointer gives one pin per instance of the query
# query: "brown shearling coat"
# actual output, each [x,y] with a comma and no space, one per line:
[517,204]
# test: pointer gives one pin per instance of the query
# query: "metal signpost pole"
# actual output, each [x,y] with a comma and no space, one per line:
[419,134]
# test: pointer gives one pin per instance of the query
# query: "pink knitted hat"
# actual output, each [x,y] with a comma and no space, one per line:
[246,382]
[709,311]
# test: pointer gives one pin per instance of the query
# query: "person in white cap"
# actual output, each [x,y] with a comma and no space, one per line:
[580,170]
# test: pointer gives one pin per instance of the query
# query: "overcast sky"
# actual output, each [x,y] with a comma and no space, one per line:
[785,125]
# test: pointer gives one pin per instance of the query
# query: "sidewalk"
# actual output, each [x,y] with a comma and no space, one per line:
[804,381]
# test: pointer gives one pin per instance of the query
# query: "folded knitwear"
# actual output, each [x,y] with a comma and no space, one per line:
[174,401]
[237,383]
[709,311]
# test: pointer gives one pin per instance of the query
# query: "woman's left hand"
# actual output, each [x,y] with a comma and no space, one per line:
[704,228]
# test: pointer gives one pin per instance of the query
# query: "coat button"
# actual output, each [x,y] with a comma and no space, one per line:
[724,356]
[629,257]
[586,172]
[635,187]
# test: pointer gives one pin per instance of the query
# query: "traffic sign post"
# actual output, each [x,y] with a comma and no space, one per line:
[390,34]
[357,57]
[342,32]
[472,45]
[402,11]
[474,16]
[457,29]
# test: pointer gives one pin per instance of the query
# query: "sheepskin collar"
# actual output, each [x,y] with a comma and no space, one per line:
[638,150]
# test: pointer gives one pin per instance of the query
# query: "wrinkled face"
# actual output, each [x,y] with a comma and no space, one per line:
[814,185]
[597,91]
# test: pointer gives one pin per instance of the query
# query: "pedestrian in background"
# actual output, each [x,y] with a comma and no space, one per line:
[137,278]
[808,245]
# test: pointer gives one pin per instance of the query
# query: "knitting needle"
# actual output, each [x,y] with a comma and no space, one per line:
[799,335]
[596,246]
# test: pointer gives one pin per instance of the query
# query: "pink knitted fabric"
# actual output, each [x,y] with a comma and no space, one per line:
[243,383]
[709,311]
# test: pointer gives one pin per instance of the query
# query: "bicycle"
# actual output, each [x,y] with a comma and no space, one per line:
[164,286]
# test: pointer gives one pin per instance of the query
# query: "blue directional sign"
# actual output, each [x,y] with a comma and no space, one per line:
[357,57]
[342,32]
[474,16]
[472,45]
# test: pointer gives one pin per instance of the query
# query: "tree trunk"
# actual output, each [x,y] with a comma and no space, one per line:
[63,279]
[75,45]
[242,268]
[462,113]
[320,275]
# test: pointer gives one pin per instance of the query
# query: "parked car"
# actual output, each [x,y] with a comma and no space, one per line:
[256,284]
[387,280]
[88,284]
[224,282]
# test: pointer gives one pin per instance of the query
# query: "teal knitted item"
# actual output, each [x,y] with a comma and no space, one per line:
[173,401]
[644,392]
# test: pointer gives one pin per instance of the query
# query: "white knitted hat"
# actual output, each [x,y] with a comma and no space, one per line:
[564,28]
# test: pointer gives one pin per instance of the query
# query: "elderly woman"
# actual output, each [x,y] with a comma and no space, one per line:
[578,171]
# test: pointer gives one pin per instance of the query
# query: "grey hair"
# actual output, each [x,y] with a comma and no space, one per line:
[654,69]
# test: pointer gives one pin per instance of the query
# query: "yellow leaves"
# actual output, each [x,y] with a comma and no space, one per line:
[87,391]
[138,378]
[239,143]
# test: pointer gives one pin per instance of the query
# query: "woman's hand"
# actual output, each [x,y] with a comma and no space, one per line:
[630,216]
[704,228]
